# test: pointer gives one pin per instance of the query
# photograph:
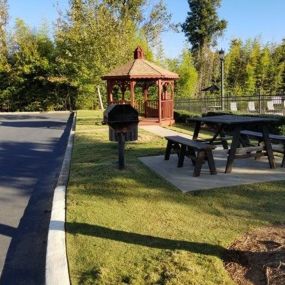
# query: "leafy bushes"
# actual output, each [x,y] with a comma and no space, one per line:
[180,116]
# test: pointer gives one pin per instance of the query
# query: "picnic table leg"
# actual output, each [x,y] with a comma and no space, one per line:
[220,132]
[199,162]
[224,141]
[192,155]
[232,151]
[181,155]
[216,134]
[244,140]
[211,162]
[259,154]
[283,160]
[168,150]
[268,147]
[196,130]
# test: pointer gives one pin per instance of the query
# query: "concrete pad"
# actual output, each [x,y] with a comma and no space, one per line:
[245,171]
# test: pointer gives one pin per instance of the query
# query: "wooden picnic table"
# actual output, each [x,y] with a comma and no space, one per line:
[236,124]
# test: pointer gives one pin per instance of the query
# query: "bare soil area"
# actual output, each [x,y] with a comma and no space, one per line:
[258,257]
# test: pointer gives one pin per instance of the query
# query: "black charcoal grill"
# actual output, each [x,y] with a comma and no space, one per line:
[122,120]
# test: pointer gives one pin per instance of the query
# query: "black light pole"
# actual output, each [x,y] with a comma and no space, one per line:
[222,58]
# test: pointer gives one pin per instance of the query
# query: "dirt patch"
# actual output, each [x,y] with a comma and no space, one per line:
[258,257]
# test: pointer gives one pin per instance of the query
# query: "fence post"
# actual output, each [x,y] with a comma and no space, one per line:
[259,99]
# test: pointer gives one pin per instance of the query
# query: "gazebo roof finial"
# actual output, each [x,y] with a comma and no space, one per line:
[138,53]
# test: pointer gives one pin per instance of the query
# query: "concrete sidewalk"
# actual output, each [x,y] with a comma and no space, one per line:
[162,132]
[245,171]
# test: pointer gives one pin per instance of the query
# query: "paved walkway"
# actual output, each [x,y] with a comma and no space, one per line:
[245,171]
[162,132]
[31,153]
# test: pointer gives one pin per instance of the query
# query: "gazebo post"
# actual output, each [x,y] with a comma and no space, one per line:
[172,98]
[145,94]
[123,90]
[110,85]
[132,90]
[159,99]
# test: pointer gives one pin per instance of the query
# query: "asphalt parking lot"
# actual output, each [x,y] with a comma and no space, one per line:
[32,147]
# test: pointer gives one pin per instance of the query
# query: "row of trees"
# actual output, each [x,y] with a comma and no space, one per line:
[250,68]
[40,72]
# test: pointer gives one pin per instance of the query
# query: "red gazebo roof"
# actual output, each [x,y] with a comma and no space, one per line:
[140,68]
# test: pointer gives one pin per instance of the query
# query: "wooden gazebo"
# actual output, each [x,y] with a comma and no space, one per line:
[155,101]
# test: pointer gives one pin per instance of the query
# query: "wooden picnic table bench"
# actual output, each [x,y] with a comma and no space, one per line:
[197,151]
[236,124]
[279,139]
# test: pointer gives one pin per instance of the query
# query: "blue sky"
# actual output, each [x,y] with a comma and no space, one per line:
[246,19]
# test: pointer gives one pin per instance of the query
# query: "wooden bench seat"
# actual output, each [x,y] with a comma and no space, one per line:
[197,151]
[277,139]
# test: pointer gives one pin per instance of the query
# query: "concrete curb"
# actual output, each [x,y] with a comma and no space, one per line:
[56,259]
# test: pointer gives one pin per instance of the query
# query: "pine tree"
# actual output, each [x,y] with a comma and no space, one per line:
[202,26]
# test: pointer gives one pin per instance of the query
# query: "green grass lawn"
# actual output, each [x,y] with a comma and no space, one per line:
[132,227]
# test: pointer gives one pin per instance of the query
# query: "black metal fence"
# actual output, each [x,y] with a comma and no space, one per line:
[259,104]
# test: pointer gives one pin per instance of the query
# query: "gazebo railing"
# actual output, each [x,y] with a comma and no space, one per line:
[139,106]
[148,108]
[151,109]
[167,109]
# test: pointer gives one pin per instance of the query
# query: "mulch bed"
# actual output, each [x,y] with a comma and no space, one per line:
[258,257]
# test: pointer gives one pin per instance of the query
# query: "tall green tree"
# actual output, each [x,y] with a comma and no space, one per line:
[3,37]
[158,21]
[280,70]
[201,27]
[32,64]
[151,25]
[253,57]
[234,68]
[95,36]
[264,77]
[90,41]
[4,65]
[188,76]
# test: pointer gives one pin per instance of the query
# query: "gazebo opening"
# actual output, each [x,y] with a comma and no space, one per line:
[147,87]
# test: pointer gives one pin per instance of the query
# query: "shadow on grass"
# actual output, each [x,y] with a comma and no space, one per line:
[146,240]
[240,257]
[226,255]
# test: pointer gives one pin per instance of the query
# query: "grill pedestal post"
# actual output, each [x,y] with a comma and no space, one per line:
[123,122]
[121,149]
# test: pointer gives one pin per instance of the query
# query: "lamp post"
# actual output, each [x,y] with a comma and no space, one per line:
[222,58]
